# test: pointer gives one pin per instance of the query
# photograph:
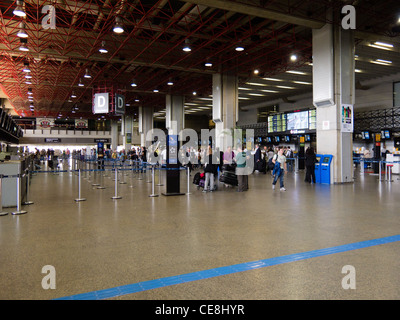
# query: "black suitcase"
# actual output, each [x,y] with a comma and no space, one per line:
[51,165]
[229,178]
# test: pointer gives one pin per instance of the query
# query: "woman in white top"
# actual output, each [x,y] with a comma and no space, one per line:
[279,157]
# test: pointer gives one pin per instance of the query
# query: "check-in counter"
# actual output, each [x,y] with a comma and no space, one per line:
[394,157]
[11,170]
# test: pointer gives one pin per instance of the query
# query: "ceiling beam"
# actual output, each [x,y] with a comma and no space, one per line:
[258,12]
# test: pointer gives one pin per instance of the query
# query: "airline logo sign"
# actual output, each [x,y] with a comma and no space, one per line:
[101,103]
[44,123]
[119,104]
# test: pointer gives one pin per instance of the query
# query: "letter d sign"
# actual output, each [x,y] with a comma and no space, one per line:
[100,103]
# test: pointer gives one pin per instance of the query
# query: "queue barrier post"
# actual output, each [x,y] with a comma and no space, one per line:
[27,202]
[2,213]
[101,185]
[116,196]
[159,175]
[152,183]
[188,180]
[79,188]
[389,166]
[19,211]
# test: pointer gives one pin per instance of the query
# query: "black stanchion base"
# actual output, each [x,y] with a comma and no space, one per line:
[116,197]
[81,199]
[100,187]
[173,194]
[3,213]
[153,195]
[26,203]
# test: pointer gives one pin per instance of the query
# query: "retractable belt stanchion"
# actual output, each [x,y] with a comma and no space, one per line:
[116,196]
[101,185]
[389,166]
[132,175]
[380,171]
[2,213]
[296,164]
[122,174]
[152,183]
[188,180]
[79,188]
[27,202]
[159,175]
[95,184]
[362,165]
[140,171]
[19,211]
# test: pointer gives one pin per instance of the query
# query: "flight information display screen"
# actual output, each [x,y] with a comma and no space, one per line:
[277,123]
[297,120]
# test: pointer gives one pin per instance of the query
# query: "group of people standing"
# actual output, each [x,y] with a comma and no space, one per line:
[276,161]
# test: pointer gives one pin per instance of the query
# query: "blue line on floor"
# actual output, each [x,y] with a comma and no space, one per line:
[216,272]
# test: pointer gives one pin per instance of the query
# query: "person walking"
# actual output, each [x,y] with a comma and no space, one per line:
[279,170]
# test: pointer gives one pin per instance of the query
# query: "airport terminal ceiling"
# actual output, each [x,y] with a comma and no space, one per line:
[65,53]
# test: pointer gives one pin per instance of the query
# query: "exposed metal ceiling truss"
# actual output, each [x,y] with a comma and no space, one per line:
[149,51]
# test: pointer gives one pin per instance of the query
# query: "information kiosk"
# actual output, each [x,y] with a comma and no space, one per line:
[318,168]
[326,163]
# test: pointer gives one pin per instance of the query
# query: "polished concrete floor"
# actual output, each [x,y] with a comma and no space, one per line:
[103,243]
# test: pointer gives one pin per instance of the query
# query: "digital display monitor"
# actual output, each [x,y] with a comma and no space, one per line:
[269,140]
[365,135]
[387,134]
[318,159]
[277,123]
[312,119]
[259,139]
[287,138]
[326,160]
[277,139]
[297,120]
[307,138]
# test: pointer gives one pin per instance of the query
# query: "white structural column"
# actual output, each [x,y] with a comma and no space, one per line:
[225,108]
[333,86]
[127,133]
[175,113]
[145,123]
[114,135]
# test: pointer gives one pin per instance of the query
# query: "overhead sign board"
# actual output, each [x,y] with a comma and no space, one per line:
[119,104]
[101,103]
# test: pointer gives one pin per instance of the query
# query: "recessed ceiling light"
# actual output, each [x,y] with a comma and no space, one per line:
[293,57]
[208,64]
[302,82]
[256,94]
[272,79]
[256,84]
[296,72]
[285,87]
[270,91]
[383,44]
